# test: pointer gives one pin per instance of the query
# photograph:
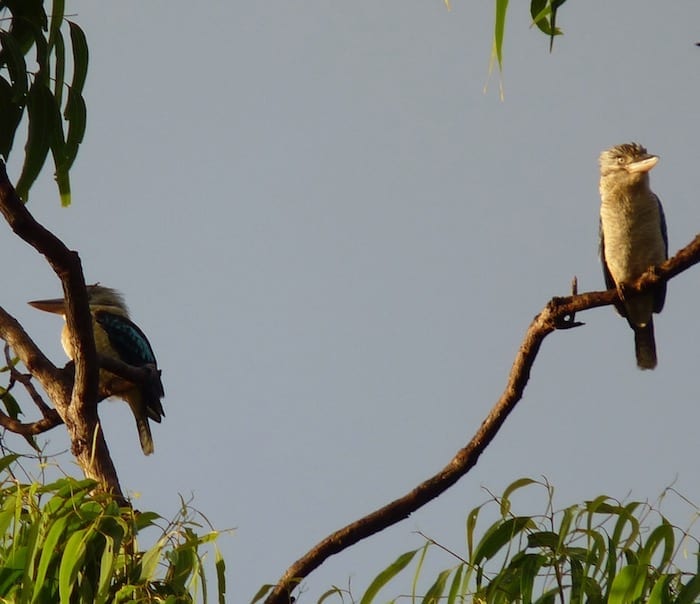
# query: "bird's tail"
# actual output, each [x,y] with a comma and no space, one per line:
[138,408]
[145,435]
[645,346]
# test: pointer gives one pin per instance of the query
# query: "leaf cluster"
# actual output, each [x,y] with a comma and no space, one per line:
[544,16]
[56,109]
[598,551]
[66,542]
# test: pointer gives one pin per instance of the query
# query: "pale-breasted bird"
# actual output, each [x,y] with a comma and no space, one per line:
[632,239]
[116,336]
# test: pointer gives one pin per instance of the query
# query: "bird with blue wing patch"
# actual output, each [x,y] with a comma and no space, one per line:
[118,337]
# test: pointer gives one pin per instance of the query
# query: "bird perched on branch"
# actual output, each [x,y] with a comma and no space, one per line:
[116,336]
[632,239]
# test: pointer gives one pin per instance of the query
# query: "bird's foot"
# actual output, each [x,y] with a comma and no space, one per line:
[622,291]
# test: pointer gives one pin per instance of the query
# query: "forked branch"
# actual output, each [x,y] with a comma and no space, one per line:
[75,402]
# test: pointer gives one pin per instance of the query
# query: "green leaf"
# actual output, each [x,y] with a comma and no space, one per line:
[662,533]
[5,462]
[76,115]
[49,553]
[601,505]
[13,569]
[333,591]
[10,116]
[628,585]
[661,593]
[183,563]
[262,592]
[498,535]
[387,575]
[107,562]
[510,489]
[690,592]
[11,405]
[59,68]
[149,562]
[434,593]
[549,597]
[28,16]
[57,12]
[39,40]
[596,549]
[471,525]
[546,539]
[540,11]
[220,566]
[455,587]
[43,115]
[565,525]
[71,561]
[58,151]
[555,31]
[419,568]
[7,513]
[529,571]
[13,57]
[143,520]
[499,30]
[80,57]
[626,518]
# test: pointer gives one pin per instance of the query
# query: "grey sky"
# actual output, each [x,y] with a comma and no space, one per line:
[335,242]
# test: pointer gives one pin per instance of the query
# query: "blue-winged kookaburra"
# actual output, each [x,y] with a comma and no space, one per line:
[632,239]
[116,336]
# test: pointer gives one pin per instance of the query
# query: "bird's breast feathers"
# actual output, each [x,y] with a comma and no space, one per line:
[633,240]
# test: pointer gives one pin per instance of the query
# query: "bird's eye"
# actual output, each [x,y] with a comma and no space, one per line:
[620,160]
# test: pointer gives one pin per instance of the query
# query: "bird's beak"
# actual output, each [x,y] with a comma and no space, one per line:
[643,165]
[56,305]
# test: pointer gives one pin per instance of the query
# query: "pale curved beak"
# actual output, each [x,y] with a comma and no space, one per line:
[643,165]
[55,305]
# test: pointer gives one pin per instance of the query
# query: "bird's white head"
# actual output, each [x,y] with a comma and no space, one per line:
[630,161]
[99,298]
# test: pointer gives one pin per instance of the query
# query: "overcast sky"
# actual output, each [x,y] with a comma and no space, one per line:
[336,240]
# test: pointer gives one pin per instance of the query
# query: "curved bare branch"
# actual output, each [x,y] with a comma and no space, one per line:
[557,314]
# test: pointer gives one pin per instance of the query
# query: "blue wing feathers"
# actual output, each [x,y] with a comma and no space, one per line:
[132,346]
[127,339]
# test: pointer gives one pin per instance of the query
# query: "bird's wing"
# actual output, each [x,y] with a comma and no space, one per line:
[127,339]
[609,281]
[660,292]
[662,219]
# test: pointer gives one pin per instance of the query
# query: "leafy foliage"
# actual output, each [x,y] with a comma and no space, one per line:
[599,551]
[50,102]
[544,16]
[62,542]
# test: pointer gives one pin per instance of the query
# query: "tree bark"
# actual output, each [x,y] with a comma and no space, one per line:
[75,399]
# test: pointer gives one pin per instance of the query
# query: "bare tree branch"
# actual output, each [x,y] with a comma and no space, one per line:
[31,428]
[557,314]
[28,352]
[51,418]
[78,407]
[125,378]
[26,380]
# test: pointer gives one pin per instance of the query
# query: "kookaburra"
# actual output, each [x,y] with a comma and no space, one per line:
[632,239]
[118,337]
